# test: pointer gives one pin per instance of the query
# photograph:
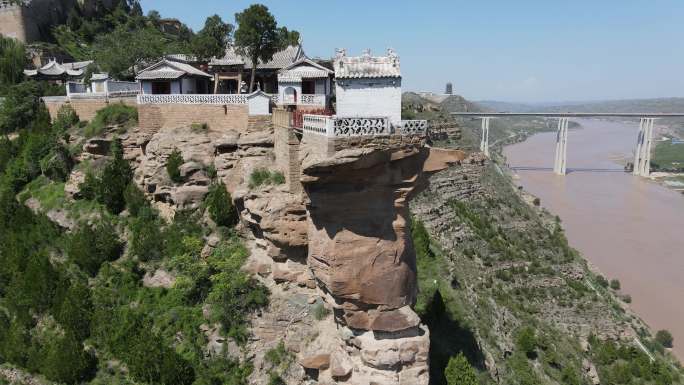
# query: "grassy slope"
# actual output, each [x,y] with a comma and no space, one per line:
[490,287]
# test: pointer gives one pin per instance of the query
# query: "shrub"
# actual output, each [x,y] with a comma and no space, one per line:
[173,164]
[66,118]
[320,311]
[234,293]
[89,247]
[460,372]
[117,114]
[602,281]
[664,338]
[526,341]
[57,164]
[262,177]
[615,284]
[199,127]
[421,239]
[220,205]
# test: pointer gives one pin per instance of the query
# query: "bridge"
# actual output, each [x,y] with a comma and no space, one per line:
[644,143]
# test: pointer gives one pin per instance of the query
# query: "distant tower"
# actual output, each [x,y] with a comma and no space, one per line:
[449,89]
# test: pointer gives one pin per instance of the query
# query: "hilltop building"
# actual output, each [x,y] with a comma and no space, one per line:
[59,72]
[449,89]
[172,77]
[306,84]
[368,85]
[232,72]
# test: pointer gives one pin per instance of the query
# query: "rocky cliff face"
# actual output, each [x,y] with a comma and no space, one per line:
[361,255]
[343,244]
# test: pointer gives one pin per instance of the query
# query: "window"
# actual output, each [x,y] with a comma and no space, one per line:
[308,86]
[161,88]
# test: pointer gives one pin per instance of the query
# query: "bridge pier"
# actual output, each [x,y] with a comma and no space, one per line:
[560,162]
[484,143]
[642,152]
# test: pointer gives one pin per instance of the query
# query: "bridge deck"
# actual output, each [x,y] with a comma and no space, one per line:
[574,114]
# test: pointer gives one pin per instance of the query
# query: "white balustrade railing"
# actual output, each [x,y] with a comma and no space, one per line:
[332,126]
[193,99]
[412,127]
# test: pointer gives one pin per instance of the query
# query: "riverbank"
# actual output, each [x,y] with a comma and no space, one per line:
[626,226]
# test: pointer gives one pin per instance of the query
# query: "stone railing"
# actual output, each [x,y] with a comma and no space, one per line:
[412,127]
[332,126]
[319,124]
[193,99]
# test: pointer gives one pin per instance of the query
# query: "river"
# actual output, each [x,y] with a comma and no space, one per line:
[630,228]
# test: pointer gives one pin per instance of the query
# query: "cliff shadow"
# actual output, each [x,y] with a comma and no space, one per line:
[448,338]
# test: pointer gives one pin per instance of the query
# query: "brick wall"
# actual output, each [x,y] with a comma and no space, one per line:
[286,148]
[217,117]
[86,109]
[259,123]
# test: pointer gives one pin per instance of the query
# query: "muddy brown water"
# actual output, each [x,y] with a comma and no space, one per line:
[630,228]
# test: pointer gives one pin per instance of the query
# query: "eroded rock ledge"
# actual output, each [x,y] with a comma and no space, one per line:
[361,255]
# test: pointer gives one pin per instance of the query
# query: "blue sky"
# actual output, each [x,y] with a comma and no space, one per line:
[512,50]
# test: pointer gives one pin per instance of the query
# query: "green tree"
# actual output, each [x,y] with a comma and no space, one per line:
[173,164]
[258,36]
[90,246]
[421,239]
[460,372]
[65,360]
[116,176]
[615,284]
[135,199]
[13,60]
[75,309]
[212,40]
[664,338]
[526,341]
[22,108]
[146,241]
[125,49]
[66,118]
[220,205]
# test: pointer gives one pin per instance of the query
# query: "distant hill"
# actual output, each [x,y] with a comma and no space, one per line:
[452,103]
[627,105]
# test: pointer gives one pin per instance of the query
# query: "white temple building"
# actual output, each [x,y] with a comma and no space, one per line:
[305,83]
[368,86]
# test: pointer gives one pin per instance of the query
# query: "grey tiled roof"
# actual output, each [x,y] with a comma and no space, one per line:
[294,72]
[280,60]
[367,66]
[177,70]
[52,68]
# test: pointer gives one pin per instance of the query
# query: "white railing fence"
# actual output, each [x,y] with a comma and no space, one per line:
[193,99]
[333,127]
[318,124]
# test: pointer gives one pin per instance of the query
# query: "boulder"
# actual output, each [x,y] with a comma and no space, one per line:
[318,361]
[97,146]
[189,196]
[340,364]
